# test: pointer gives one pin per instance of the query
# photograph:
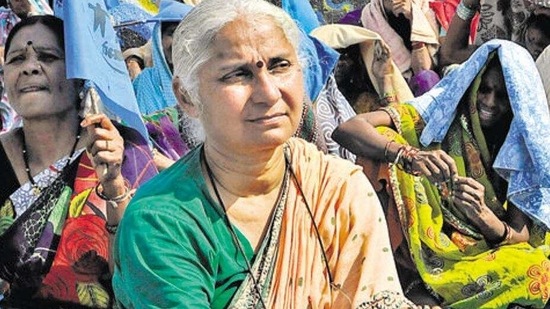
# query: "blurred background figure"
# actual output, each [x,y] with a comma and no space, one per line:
[411,31]
[365,88]
[172,131]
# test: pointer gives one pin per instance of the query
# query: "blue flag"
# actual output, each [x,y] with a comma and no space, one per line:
[93,53]
[302,13]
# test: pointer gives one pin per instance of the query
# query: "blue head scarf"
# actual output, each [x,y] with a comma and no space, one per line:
[153,86]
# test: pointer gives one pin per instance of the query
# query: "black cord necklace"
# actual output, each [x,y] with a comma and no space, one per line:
[238,243]
[232,230]
[36,188]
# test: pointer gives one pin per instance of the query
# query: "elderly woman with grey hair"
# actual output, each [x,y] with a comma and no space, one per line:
[253,218]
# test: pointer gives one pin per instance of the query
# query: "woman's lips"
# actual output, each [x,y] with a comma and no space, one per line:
[269,118]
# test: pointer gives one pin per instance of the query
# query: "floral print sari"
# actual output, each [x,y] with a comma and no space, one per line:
[55,247]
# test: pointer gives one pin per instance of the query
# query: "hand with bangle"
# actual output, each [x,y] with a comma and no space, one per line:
[105,146]
[436,165]
[113,205]
[468,196]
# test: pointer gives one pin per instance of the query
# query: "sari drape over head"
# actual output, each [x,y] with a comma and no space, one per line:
[341,36]
[450,254]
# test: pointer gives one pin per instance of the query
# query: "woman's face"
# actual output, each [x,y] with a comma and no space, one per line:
[536,41]
[34,74]
[492,99]
[251,89]
[166,38]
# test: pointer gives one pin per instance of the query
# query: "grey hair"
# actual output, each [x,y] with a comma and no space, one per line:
[191,47]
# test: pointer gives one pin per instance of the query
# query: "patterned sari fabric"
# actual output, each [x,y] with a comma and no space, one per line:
[55,248]
[501,19]
[353,232]
[332,109]
[451,256]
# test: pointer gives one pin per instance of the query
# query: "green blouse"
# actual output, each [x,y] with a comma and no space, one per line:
[173,247]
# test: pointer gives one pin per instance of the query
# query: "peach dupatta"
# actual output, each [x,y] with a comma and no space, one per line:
[353,232]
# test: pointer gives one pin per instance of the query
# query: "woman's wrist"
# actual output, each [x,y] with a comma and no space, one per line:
[113,187]
[116,195]
[504,238]
[384,82]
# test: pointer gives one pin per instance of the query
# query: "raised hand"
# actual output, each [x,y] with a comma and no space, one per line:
[402,7]
[105,147]
[381,64]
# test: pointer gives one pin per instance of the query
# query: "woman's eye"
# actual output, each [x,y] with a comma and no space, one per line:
[236,76]
[48,57]
[280,66]
[15,59]
[483,90]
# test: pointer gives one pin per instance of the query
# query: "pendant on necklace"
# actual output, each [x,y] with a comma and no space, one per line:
[36,190]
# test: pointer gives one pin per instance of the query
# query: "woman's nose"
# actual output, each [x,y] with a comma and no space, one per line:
[32,67]
[488,99]
[266,89]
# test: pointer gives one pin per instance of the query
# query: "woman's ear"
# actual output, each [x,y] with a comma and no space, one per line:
[183,98]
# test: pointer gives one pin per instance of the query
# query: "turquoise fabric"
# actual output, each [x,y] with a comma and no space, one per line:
[321,60]
[302,12]
[153,86]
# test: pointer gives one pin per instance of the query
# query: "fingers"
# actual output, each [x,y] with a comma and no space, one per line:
[381,51]
[104,145]
[402,7]
[452,170]
[469,189]
[437,165]
[469,193]
[99,120]
[101,140]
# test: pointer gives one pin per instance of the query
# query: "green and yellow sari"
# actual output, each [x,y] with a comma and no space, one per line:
[450,255]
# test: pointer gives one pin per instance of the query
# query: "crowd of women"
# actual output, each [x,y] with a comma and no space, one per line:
[387,161]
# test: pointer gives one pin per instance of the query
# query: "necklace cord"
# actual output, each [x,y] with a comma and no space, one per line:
[26,155]
[317,233]
[310,212]
[231,230]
